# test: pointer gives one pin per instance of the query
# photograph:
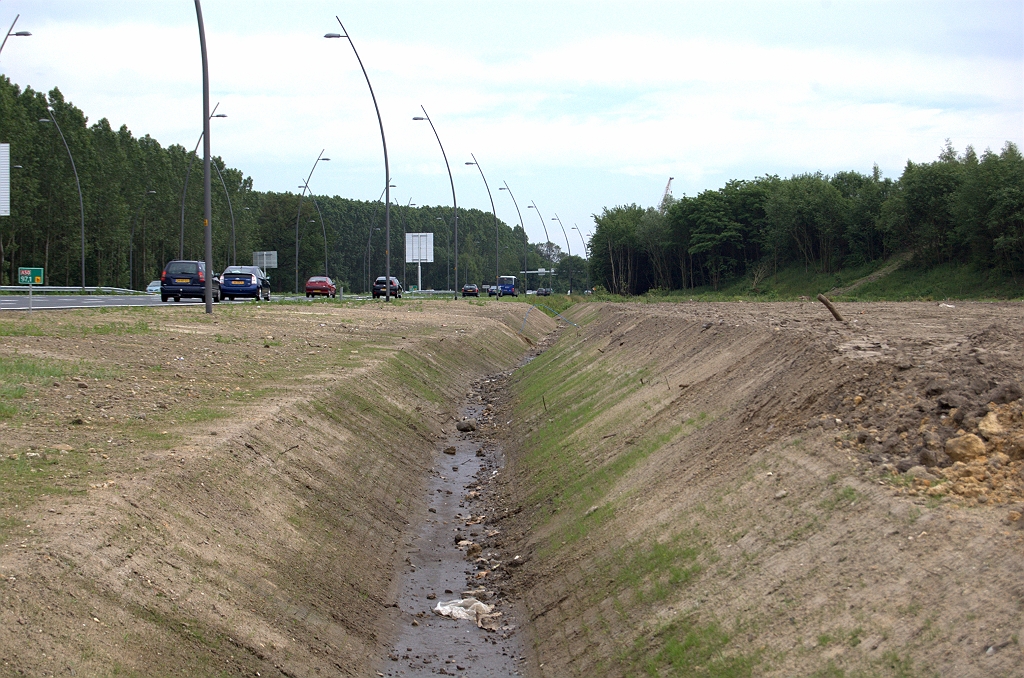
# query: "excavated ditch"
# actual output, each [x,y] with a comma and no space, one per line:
[444,562]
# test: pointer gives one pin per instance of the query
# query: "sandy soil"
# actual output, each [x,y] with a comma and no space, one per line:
[829,498]
[186,495]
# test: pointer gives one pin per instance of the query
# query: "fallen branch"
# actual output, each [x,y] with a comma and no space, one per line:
[829,306]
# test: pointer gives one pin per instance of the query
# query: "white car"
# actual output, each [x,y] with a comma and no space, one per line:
[153,287]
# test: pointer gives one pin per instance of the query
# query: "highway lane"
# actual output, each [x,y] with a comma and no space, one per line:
[47,302]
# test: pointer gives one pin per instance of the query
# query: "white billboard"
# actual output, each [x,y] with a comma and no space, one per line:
[419,248]
[5,180]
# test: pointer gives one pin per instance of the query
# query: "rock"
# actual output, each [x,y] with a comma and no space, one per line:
[473,550]
[906,464]
[449,450]
[990,426]
[965,448]
[781,494]
[480,452]
[1004,393]
[466,425]
[920,472]
[931,458]
[951,400]
[933,388]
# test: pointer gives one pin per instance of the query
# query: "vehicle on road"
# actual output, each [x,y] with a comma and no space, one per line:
[491,290]
[321,284]
[248,282]
[184,279]
[380,291]
[544,292]
[470,290]
[507,286]
[153,287]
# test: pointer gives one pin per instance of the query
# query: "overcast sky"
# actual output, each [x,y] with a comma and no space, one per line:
[576,105]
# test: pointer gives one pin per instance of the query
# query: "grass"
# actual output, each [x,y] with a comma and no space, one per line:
[685,647]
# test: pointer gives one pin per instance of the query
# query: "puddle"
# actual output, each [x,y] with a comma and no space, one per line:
[436,569]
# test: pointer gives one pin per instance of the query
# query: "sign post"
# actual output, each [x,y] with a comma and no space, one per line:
[419,250]
[30,277]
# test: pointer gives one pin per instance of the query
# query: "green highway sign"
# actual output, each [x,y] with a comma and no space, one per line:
[30,276]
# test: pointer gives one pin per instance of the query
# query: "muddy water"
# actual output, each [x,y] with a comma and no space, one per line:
[437,569]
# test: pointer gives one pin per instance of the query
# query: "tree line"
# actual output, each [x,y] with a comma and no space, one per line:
[964,209]
[132,190]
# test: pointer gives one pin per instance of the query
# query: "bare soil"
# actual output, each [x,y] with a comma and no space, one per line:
[239,495]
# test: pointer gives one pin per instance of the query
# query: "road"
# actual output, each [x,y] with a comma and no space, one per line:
[41,302]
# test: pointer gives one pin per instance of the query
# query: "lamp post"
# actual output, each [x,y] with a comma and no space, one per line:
[526,241]
[188,172]
[369,270]
[81,203]
[567,248]
[448,253]
[547,238]
[493,212]
[387,170]
[298,214]
[322,223]
[231,211]
[586,254]
[455,206]
[131,242]
[10,32]
[207,204]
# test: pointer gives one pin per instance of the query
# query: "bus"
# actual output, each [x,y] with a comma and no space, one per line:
[507,285]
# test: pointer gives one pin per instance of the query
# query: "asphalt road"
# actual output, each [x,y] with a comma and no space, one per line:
[40,302]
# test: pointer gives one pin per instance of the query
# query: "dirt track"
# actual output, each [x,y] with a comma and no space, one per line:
[236,490]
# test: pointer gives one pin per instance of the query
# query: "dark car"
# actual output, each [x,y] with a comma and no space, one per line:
[248,282]
[544,292]
[492,290]
[379,290]
[321,284]
[183,279]
[470,290]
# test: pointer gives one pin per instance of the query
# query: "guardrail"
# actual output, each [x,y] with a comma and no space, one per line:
[36,289]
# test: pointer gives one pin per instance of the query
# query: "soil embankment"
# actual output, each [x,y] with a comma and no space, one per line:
[756,489]
[187,495]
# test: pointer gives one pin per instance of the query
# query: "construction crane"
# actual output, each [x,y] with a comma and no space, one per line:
[666,196]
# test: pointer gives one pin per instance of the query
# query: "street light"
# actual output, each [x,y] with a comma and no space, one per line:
[526,241]
[81,203]
[567,248]
[586,254]
[207,204]
[455,206]
[533,206]
[405,252]
[299,214]
[369,236]
[131,242]
[494,212]
[322,222]
[387,170]
[10,32]
[188,172]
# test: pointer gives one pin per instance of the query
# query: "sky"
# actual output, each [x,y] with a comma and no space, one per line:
[575,106]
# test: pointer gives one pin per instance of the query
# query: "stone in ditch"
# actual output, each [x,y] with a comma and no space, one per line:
[466,425]
[449,450]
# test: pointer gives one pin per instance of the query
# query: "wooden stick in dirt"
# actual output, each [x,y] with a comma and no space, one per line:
[829,306]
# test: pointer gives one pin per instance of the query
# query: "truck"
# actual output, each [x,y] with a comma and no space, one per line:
[507,285]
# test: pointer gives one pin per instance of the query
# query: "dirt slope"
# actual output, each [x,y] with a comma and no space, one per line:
[187,495]
[740,489]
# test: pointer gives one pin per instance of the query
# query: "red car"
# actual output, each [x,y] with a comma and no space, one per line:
[321,284]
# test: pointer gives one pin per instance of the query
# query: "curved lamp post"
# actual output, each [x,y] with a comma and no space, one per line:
[131,242]
[322,222]
[494,212]
[81,203]
[526,241]
[231,211]
[10,32]
[567,248]
[387,170]
[188,172]
[455,205]
[533,206]
[369,236]
[298,214]
[207,205]
[586,254]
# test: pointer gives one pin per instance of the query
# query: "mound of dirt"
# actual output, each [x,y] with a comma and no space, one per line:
[757,489]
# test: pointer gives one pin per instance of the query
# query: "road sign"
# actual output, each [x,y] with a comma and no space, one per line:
[264,260]
[419,248]
[30,276]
